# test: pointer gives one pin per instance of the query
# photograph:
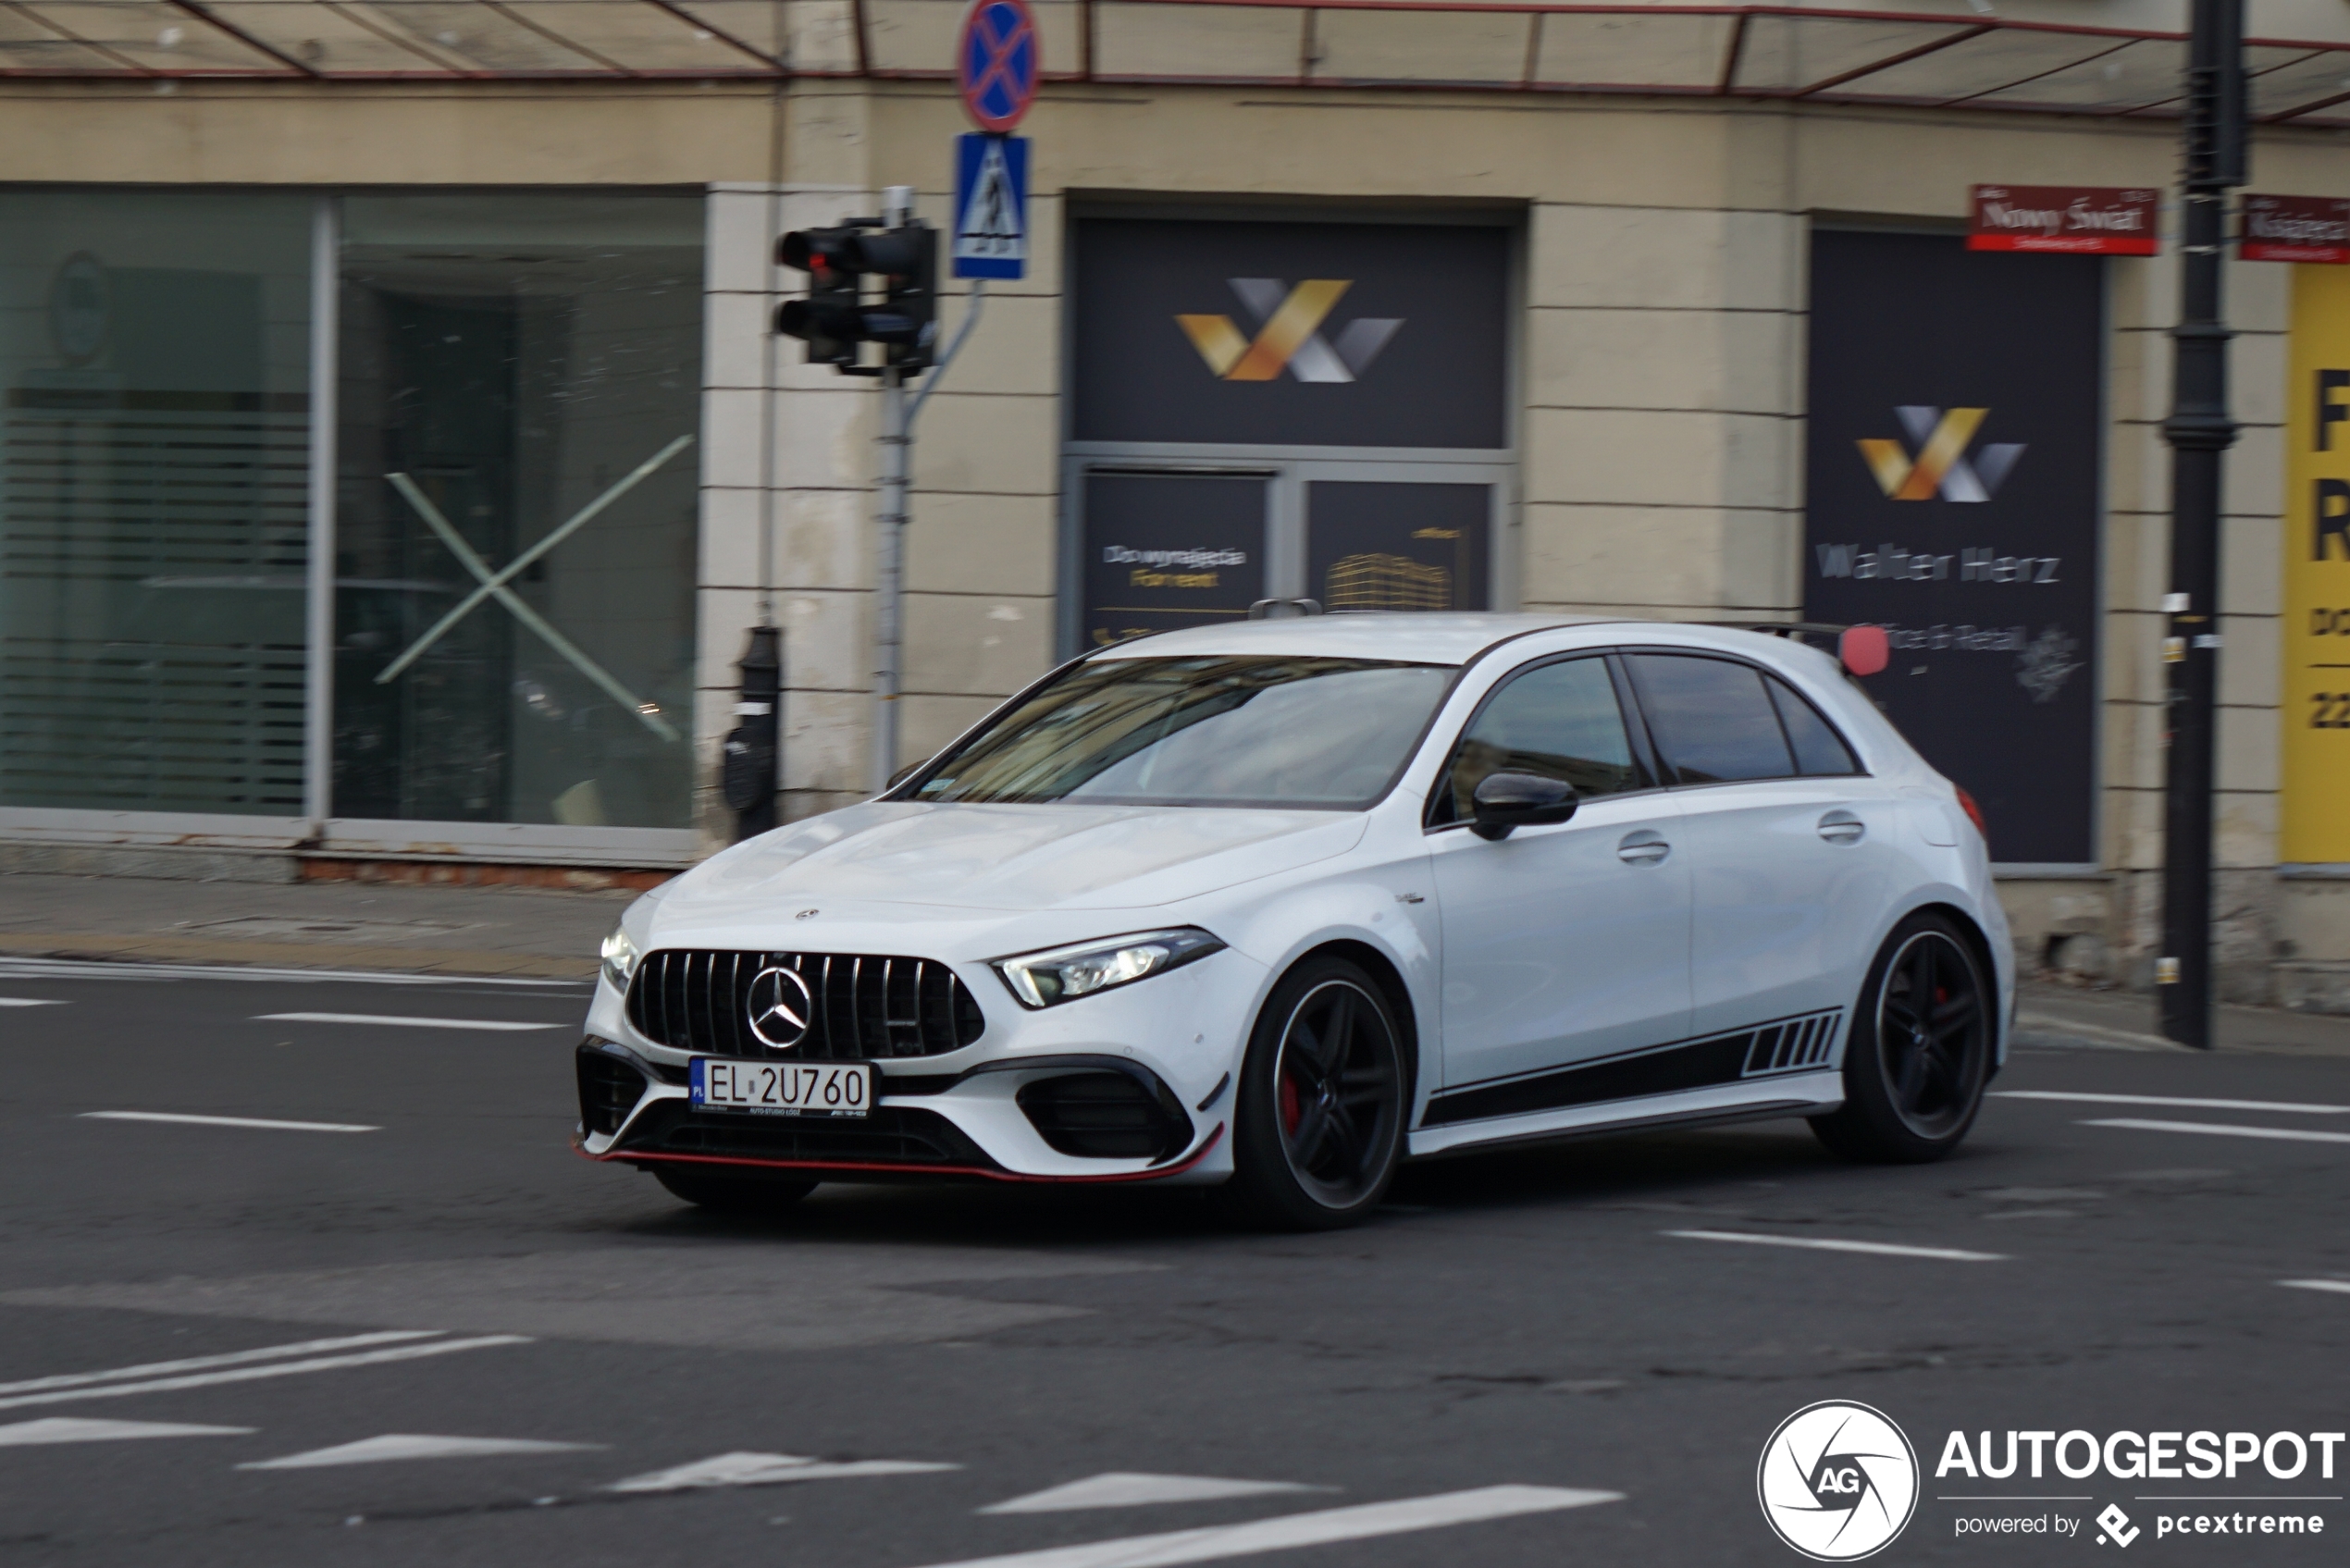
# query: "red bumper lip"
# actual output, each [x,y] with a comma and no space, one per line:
[851,1167]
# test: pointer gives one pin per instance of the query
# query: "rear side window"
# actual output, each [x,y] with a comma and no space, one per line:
[1557,721]
[1713,718]
[1818,748]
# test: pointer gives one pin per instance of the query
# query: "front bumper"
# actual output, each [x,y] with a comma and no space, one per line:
[1134,1085]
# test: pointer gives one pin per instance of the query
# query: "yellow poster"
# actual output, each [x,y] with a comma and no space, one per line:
[2316,828]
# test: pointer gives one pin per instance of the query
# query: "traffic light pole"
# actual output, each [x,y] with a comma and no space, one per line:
[2199,431]
[889,598]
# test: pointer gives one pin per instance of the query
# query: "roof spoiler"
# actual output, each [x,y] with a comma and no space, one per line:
[1862,650]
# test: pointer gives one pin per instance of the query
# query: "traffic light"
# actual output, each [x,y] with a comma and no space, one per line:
[836,317]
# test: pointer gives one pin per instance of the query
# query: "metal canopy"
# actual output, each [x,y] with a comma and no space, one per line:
[1525,46]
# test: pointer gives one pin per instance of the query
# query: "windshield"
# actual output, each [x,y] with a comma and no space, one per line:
[1326,733]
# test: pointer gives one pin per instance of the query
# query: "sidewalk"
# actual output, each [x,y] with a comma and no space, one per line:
[333,925]
[2063,1015]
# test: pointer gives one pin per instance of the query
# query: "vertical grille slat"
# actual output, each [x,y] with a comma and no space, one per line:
[867,1005]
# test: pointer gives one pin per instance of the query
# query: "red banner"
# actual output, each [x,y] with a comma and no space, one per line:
[2076,221]
[2295,228]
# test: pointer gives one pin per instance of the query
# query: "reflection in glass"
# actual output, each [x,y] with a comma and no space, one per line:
[509,363]
[154,417]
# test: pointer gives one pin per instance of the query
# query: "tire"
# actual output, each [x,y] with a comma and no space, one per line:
[729,1193]
[1316,1138]
[1913,1079]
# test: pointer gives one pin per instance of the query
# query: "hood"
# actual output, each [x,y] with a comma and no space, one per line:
[1010,858]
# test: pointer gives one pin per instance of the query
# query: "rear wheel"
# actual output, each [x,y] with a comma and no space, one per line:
[1319,1127]
[1919,1051]
[733,1192]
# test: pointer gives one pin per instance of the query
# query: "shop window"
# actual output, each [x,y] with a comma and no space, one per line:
[507,364]
[154,444]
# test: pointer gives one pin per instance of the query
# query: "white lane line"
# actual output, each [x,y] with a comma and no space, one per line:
[766,1470]
[229,1121]
[231,1358]
[1823,1244]
[1361,1523]
[412,1445]
[31,1002]
[2294,1106]
[67,1429]
[2340,1287]
[276,1369]
[102,968]
[399,1020]
[2221,1129]
[1122,1488]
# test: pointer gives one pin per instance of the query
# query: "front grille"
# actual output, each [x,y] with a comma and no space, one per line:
[865,1005]
[608,1089]
[890,1135]
[1105,1115]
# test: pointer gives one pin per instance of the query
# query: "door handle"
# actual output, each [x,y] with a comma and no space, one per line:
[1842,827]
[1643,848]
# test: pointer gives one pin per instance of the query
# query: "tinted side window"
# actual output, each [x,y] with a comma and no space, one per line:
[1818,748]
[1555,721]
[1712,717]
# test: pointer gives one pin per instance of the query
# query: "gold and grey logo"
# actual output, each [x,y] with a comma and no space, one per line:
[1289,333]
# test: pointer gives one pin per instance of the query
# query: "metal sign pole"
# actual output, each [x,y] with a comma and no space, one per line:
[2199,431]
[889,577]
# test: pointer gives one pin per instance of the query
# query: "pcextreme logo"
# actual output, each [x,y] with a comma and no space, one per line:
[1289,334]
[1837,1481]
[1941,463]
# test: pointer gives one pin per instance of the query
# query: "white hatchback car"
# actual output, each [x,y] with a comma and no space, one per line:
[1281,904]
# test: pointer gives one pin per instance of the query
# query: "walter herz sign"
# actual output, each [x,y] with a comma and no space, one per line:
[1952,499]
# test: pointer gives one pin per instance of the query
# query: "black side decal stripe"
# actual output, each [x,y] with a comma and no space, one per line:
[1786,1045]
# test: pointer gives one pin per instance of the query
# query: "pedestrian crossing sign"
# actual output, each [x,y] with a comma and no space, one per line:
[991,207]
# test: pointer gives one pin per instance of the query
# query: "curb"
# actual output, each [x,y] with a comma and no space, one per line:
[296,955]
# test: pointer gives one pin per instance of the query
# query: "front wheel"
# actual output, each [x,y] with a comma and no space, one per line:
[1324,1093]
[1919,1049]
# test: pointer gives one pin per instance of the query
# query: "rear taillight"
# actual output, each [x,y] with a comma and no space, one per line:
[1973,814]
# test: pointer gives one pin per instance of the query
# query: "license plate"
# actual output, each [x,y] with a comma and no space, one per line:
[791,1089]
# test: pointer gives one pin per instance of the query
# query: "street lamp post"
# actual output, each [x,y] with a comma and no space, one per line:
[2199,431]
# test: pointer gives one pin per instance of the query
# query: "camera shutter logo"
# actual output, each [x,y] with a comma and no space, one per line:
[779,1007]
[1839,1481]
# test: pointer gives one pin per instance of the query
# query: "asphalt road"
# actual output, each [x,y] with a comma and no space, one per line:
[1536,1321]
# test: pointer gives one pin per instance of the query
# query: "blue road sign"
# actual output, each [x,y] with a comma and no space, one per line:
[991,207]
[997,63]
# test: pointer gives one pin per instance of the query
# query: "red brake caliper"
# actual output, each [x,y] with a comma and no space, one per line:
[1292,1111]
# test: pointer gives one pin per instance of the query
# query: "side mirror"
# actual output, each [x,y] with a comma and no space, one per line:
[1506,802]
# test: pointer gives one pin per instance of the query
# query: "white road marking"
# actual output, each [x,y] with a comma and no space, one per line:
[232,1358]
[67,1429]
[1122,1489]
[2340,1287]
[765,1470]
[31,1002]
[2291,1105]
[2221,1129]
[411,1445]
[1823,1244]
[276,1369]
[102,968]
[400,1020]
[1360,1522]
[229,1121]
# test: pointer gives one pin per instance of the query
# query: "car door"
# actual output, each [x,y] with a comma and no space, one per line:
[1787,841]
[1567,941]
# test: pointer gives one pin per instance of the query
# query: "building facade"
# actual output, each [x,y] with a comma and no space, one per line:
[397,454]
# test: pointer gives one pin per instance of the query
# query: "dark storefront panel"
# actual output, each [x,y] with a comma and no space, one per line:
[1397,546]
[1293,334]
[1167,551]
[1953,498]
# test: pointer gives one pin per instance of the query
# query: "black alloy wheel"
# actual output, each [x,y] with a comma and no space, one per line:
[1919,1051]
[1324,1095]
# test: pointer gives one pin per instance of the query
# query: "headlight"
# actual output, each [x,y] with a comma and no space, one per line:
[620,958]
[1063,974]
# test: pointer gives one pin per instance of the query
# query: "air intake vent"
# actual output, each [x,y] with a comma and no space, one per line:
[1105,1115]
[859,1005]
[608,1089]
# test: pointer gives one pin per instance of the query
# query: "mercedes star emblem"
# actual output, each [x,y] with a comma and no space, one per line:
[779,1007]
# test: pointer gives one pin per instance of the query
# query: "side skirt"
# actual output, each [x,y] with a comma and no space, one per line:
[1789,1094]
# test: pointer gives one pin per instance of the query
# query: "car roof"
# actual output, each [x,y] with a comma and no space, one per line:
[1412,637]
